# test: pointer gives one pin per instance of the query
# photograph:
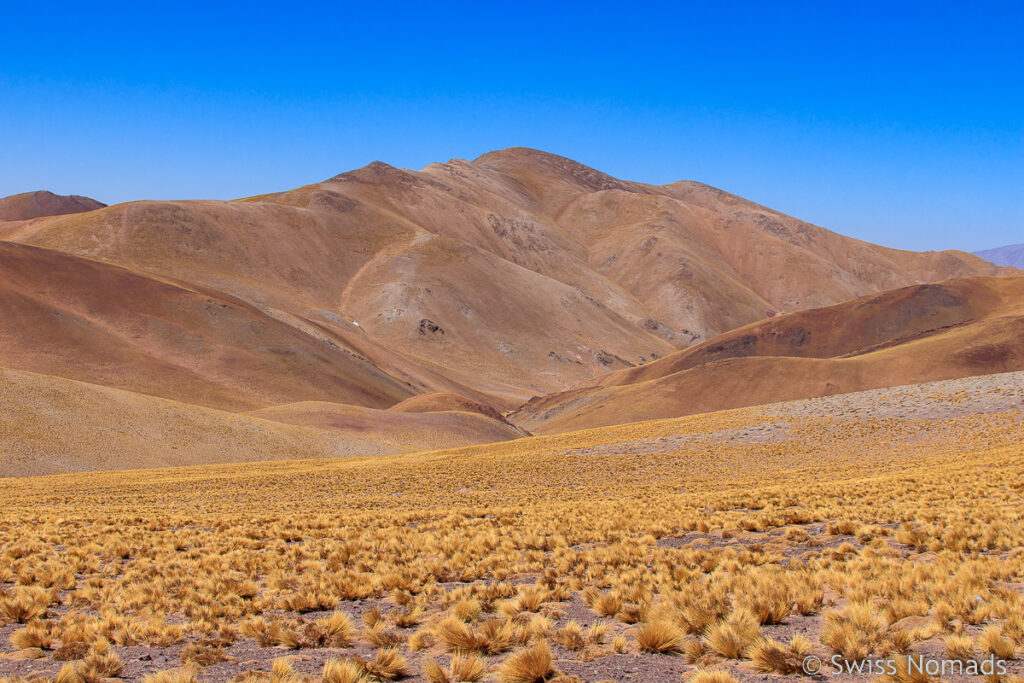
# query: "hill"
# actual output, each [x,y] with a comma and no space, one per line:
[1011,255]
[404,431]
[28,205]
[957,328]
[51,425]
[88,320]
[517,274]
[403,310]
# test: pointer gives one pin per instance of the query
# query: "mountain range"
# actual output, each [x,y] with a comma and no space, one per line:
[387,309]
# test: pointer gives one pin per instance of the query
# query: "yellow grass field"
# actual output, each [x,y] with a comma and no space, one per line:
[706,548]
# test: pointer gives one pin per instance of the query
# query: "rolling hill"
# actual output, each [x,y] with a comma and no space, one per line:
[922,333]
[52,425]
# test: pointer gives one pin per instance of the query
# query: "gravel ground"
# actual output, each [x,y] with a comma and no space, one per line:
[930,401]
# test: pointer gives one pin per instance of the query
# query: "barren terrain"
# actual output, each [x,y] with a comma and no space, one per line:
[945,330]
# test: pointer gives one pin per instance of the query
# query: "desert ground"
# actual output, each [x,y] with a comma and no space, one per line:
[719,546]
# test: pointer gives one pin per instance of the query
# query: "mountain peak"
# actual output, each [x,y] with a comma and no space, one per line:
[525,160]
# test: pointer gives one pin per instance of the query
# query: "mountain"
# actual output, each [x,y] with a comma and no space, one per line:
[28,205]
[385,310]
[921,333]
[1011,255]
[517,274]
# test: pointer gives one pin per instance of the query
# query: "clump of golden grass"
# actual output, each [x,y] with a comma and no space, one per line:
[994,642]
[36,634]
[463,668]
[203,653]
[531,665]
[855,632]
[25,604]
[732,636]
[662,637]
[185,674]
[571,636]
[388,665]
[344,671]
[772,656]
[905,673]
[100,663]
[712,676]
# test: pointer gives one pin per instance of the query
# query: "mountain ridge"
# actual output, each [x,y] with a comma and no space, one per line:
[467,287]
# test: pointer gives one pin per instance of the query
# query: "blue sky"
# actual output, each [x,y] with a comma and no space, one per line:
[899,123]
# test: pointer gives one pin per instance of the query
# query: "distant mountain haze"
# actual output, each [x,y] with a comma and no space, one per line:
[1011,255]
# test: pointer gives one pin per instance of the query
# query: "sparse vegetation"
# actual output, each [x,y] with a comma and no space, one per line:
[502,562]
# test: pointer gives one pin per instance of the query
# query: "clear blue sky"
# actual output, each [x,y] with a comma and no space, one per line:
[900,123]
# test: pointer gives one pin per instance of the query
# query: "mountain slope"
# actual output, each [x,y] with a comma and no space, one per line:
[405,431]
[1010,255]
[92,321]
[922,333]
[50,425]
[518,274]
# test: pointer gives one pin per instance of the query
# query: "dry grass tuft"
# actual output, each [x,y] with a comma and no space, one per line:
[463,668]
[773,657]
[712,676]
[203,653]
[993,642]
[183,675]
[36,634]
[344,671]
[662,637]
[532,665]
[959,647]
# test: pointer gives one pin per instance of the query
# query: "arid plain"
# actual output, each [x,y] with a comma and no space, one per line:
[506,419]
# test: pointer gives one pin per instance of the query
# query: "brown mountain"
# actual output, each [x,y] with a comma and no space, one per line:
[27,205]
[458,291]
[922,333]
[517,274]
